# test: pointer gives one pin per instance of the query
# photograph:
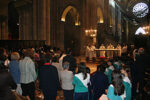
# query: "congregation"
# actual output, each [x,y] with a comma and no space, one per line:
[119,77]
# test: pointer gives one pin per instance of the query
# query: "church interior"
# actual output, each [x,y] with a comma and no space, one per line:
[73,24]
[94,31]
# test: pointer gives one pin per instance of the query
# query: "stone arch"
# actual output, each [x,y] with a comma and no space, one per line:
[75,14]
[100,15]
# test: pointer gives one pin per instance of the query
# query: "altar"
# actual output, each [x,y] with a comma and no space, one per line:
[107,50]
[115,51]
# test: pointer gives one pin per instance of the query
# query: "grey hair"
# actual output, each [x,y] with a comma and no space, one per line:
[66,65]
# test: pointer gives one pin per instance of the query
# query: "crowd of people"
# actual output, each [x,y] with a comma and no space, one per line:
[117,78]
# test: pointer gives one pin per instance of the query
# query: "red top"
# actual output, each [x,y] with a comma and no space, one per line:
[47,63]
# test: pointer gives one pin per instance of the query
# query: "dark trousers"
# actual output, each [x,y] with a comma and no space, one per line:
[49,94]
[81,96]
[141,83]
[68,94]
[28,90]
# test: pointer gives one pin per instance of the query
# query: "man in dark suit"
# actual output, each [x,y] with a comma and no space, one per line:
[49,81]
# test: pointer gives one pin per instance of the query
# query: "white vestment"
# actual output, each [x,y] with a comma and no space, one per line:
[110,53]
[102,53]
[118,52]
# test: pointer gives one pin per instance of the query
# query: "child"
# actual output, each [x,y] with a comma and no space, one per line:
[109,70]
[116,90]
[80,82]
[126,83]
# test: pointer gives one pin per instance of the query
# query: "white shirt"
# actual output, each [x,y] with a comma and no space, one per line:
[66,77]
[27,70]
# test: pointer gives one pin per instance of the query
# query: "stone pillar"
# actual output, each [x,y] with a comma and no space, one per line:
[48,23]
[35,20]
[6,30]
[106,15]
[25,23]
[3,30]
[61,35]
[41,20]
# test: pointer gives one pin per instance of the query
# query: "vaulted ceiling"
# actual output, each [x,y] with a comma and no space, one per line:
[126,7]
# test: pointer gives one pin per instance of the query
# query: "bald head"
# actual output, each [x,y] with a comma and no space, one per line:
[141,51]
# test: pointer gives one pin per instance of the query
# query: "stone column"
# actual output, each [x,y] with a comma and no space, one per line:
[106,15]
[61,35]
[35,19]
[48,23]
[3,30]
[25,23]
[41,20]
[6,30]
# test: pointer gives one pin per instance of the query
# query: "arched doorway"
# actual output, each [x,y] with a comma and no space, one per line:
[71,29]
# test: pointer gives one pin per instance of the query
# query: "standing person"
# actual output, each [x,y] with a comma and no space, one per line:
[57,65]
[80,82]
[140,64]
[119,50]
[109,71]
[66,78]
[110,53]
[72,61]
[61,58]
[87,52]
[102,53]
[124,50]
[48,76]
[126,82]
[99,82]
[90,52]
[6,84]
[28,74]
[15,70]
[3,57]
[93,52]
[116,90]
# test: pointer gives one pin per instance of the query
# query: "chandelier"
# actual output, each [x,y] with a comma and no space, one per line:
[91,32]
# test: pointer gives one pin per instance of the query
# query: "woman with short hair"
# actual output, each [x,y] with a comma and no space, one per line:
[15,70]
[66,78]
[28,74]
